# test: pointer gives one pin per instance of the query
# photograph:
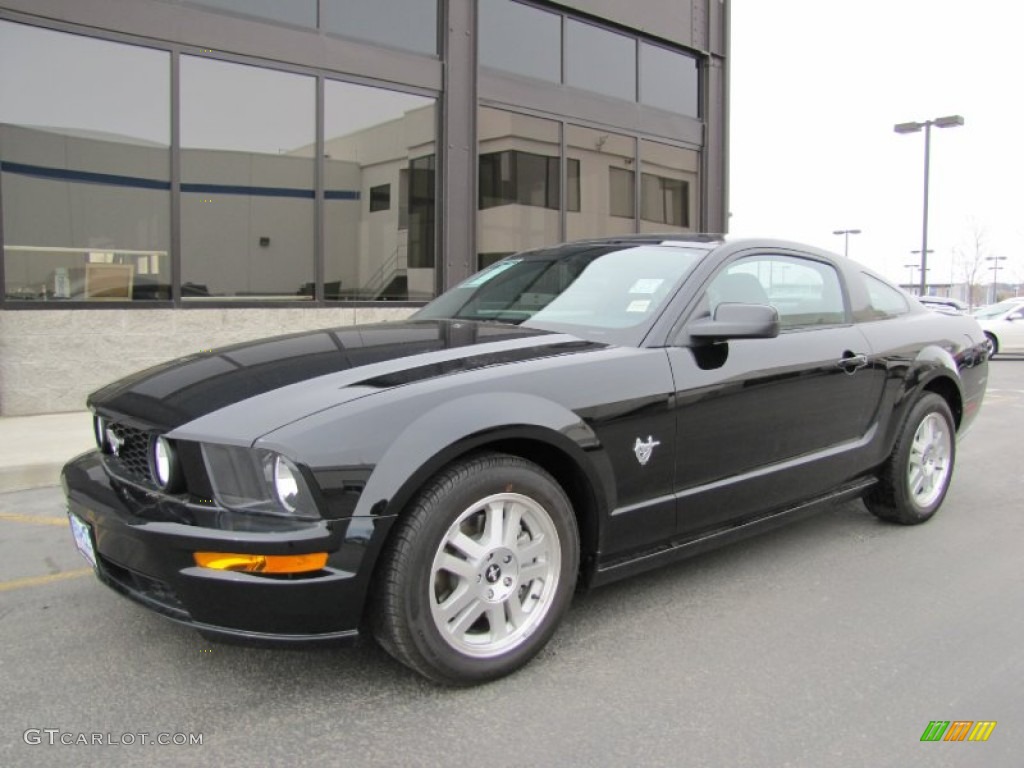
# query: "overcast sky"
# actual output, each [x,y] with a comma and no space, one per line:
[816,87]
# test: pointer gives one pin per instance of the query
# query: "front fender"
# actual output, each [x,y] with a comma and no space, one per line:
[454,428]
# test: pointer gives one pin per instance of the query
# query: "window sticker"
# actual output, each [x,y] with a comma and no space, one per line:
[646,285]
[640,305]
[488,274]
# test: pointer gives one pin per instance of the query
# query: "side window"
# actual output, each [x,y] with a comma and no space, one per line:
[884,300]
[805,292]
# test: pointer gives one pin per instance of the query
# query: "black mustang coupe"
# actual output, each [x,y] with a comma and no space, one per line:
[564,418]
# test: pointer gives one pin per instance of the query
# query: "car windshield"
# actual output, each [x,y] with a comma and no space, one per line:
[994,310]
[591,290]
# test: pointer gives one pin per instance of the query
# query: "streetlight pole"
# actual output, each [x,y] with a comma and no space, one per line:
[995,275]
[949,121]
[923,292]
[846,239]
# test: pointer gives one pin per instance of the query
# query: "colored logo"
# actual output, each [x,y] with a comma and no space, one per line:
[958,730]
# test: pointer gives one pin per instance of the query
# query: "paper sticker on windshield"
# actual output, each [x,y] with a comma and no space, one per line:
[646,285]
[640,305]
[487,274]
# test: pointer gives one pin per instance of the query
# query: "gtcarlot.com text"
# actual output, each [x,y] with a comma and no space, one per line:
[56,736]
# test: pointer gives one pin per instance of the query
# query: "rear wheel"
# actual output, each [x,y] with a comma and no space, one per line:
[993,345]
[480,571]
[916,476]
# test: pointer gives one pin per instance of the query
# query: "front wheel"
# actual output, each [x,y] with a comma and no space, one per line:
[479,572]
[915,478]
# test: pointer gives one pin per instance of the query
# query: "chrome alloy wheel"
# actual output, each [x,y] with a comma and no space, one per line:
[929,464]
[495,575]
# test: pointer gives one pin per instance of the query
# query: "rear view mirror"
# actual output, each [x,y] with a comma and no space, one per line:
[737,321]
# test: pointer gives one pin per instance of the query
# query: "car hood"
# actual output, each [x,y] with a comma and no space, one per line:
[319,369]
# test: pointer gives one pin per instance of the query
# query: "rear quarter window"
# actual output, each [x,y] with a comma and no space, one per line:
[884,301]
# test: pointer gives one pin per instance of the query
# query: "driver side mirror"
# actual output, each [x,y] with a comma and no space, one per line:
[1018,315]
[737,321]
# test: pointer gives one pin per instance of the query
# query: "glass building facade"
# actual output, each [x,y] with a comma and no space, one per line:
[318,154]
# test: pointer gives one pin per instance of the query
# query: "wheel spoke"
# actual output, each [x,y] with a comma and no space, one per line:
[494,518]
[496,618]
[532,550]
[456,602]
[467,618]
[516,614]
[916,480]
[467,546]
[513,521]
[528,573]
[456,566]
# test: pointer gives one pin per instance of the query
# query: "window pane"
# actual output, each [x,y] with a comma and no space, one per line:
[519,158]
[301,12]
[606,161]
[668,80]
[520,39]
[408,24]
[621,192]
[85,162]
[377,139]
[600,60]
[805,293]
[885,300]
[668,188]
[247,143]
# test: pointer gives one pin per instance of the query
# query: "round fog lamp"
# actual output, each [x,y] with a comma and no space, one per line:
[286,483]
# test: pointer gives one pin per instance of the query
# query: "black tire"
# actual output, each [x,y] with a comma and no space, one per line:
[993,344]
[916,476]
[463,617]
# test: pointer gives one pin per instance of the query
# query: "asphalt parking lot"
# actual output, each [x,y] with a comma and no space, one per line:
[831,642]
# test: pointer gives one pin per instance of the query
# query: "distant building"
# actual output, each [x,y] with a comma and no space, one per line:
[180,174]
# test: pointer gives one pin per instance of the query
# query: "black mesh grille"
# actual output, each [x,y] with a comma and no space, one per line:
[131,457]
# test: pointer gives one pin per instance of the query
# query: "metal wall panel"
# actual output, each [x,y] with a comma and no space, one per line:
[668,19]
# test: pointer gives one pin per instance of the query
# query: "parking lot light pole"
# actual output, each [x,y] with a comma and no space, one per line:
[846,239]
[910,280]
[949,121]
[995,275]
[927,269]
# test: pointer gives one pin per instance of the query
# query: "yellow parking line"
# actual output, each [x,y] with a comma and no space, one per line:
[38,581]
[33,519]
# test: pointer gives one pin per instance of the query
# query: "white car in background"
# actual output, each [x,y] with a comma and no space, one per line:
[1003,324]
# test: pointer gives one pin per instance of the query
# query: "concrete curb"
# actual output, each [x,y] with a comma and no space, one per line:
[29,476]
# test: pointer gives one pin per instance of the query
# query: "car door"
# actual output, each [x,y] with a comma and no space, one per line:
[1011,331]
[762,423]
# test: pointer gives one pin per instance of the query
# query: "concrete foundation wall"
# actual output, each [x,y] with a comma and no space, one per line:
[51,360]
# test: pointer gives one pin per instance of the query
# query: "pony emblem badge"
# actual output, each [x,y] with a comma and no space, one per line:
[643,450]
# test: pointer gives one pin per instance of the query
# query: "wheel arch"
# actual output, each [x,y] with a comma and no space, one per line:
[529,427]
[948,390]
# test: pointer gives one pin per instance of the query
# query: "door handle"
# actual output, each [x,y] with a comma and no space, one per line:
[851,363]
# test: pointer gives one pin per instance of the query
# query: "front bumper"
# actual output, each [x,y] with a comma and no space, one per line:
[146,554]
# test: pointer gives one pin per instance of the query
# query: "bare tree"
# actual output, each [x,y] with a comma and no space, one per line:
[970,258]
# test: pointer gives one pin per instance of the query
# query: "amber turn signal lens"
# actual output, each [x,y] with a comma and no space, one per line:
[228,561]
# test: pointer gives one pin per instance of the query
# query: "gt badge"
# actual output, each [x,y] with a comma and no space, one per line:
[643,450]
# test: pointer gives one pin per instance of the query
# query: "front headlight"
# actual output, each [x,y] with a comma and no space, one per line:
[259,481]
[99,425]
[164,466]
